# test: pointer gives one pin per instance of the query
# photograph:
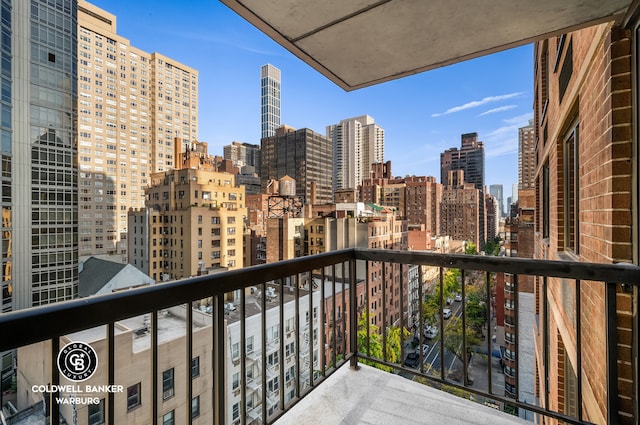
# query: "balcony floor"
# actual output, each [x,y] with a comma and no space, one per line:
[371,396]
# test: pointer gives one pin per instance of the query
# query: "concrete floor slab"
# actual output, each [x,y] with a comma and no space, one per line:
[371,396]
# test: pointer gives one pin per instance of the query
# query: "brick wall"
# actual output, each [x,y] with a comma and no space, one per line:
[598,99]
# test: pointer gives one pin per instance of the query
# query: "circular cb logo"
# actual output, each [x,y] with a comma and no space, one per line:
[77,361]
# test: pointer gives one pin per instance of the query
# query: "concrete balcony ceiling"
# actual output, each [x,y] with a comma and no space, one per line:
[358,43]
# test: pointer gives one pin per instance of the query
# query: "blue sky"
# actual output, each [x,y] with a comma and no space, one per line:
[422,115]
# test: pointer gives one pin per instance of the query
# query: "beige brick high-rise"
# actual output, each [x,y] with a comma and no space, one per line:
[131,106]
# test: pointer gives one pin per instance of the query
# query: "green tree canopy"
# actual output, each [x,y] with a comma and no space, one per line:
[373,346]
[453,337]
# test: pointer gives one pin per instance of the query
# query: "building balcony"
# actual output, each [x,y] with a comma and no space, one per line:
[345,387]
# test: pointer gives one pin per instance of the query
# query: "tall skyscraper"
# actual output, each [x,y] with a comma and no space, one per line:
[132,106]
[303,155]
[496,190]
[357,143]
[526,157]
[39,156]
[470,159]
[269,100]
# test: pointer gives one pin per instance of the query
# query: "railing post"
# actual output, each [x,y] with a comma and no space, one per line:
[218,360]
[353,317]
[612,353]
[54,408]
[111,372]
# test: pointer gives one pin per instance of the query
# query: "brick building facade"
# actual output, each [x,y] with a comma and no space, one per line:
[582,119]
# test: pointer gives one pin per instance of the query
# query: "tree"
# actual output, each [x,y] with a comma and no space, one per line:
[373,343]
[451,282]
[431,304]
[492,247]
[470,248]
[453,337]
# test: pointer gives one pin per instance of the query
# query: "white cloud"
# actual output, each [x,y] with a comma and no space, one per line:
[500,109]
[476,103]
[504,140]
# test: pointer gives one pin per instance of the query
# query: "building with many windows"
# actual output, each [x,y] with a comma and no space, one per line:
[470,159]
[193,224]
[460,217]
[357,143]
[132,105]
[38,153]
[243,154]
[269,100]
[526,157]
[304,156]
[496,190]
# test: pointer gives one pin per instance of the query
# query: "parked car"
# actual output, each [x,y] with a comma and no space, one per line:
[446,313]
[425,350]
[412,360]
[430,332]
[458,297]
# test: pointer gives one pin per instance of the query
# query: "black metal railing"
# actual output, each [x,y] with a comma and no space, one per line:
[272,333]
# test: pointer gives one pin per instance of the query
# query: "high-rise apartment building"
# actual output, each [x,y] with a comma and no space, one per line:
[526,157]
[243,154]
[423,202]
[193,222]
[132,105]
[493,215]
[470,159]
[357,143]
[269,100]
[460,217]
[302,155]
[496,190]
[38,149]
[415,198]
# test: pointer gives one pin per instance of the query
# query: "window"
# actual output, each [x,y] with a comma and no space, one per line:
[272,385]
[545,201]
[235,350]
[236,411]
[96,413]
[167,384]
[168,419]
[567,71]
[133,396]
[289,349]
[249,345]
[195,367]
[570,154]
[272,359]
[235,381]
[195,406]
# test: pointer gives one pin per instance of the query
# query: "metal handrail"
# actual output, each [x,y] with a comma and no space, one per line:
[36,324]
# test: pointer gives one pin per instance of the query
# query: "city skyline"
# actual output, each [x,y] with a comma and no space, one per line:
[422,115]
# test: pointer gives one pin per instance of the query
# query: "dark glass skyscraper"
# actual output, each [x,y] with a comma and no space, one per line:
[303,155]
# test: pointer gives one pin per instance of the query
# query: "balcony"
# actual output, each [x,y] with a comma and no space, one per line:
[342,383]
